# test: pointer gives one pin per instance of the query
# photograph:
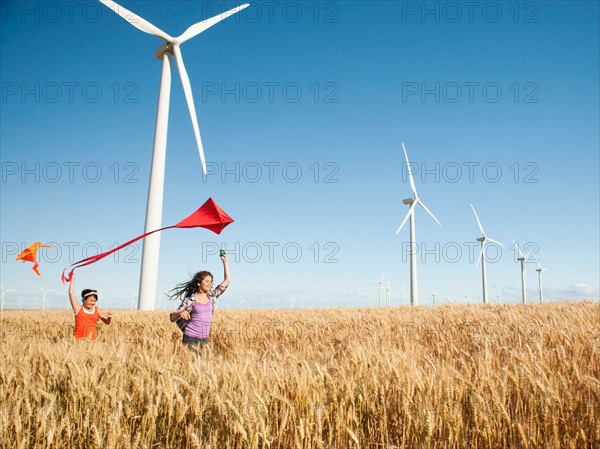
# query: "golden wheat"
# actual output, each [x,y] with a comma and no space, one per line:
[445,377]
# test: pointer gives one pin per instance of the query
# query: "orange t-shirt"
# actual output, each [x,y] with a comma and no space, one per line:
[85,324]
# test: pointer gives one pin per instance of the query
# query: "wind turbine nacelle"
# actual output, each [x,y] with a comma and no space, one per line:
[408,201]
[165,47]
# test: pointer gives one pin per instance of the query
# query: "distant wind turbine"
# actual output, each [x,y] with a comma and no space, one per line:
[539,272]
[380,281]
[414,297]
[483,239]
[170,48]
[522,258]
[44,297]
[4,291]
[388,294]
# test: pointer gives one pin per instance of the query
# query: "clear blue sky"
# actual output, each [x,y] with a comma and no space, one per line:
[303,107]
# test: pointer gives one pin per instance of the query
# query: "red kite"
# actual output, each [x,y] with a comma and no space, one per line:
[209,216]
[30,254]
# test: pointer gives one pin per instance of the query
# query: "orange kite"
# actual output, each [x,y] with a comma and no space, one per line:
[30,254]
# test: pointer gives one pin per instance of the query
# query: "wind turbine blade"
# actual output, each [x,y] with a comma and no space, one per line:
[410,211]
[478,222]
[382,276]
[410,176]
[136,20]
[518,249]
[428,211]
[480,254]
[187,89]
[199,27]
[494,241]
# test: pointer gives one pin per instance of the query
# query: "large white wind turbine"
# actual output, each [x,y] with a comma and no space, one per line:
[539,272]
[483,239]
[414,297]
[170,48]
[522,258]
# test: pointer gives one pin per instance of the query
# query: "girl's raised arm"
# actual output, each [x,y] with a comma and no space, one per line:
[76,306]
[225,282]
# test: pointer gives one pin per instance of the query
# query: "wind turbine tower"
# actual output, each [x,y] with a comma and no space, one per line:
[539,272]
[380,281]
[522,259]
[44,297]
[412,202]
[483,239]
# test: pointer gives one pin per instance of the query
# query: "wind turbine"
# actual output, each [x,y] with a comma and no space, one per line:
[498,296]
[379,287]
[539,271]
[44,297]
[522,259]
[170,48]
[483,239]
[414,297]
[4,291]
[388,294]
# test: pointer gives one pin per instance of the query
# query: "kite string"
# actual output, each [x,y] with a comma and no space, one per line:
[97,257]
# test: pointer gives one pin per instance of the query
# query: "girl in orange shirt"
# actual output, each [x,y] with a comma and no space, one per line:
[86,316]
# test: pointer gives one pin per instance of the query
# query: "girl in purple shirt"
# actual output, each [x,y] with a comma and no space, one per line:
[195,313]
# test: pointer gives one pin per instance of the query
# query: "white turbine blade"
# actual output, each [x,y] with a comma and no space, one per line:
[199,27]
[478,222]
[428,211]
[518,249]
[187,89]
[410,211]
[494,241]
[136,20]
[382,276]
[410,176]
[481,253]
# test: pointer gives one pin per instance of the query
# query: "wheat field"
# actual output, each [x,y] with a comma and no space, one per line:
[455,376]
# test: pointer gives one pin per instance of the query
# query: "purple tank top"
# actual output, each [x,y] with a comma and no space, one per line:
[201,317]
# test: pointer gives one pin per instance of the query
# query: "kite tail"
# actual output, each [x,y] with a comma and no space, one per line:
[90,260]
